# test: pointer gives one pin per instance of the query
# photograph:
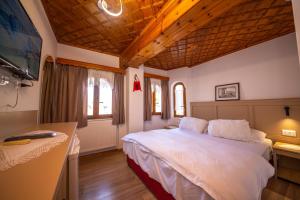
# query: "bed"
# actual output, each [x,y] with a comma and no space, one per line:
[182,164]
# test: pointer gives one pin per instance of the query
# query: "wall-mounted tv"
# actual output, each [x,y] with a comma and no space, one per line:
[20,42]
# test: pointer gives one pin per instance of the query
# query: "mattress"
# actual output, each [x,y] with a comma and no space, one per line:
[171,180]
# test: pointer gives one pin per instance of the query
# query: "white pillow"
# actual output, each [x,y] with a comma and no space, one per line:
[193,124]
[257,136]
[230,129]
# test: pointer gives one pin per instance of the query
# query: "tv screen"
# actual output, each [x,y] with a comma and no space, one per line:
[20,43]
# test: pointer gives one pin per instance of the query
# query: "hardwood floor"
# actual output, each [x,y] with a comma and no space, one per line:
[106,176]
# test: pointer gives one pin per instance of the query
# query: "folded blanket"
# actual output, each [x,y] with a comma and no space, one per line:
[18,154]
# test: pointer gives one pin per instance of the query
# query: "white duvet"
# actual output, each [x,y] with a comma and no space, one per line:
[223,171]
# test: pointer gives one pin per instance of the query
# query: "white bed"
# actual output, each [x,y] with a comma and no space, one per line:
[191,165]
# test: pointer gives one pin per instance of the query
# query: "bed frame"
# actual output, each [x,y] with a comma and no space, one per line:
[154,186]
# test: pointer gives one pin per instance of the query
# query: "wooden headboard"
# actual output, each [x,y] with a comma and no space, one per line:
[266,115]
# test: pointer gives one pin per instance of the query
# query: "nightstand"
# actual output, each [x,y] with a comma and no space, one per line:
[289,151]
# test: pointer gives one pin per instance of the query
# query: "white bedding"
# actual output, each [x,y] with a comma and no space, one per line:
[205,161]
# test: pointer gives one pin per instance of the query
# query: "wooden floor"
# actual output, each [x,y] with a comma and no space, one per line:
[107,176]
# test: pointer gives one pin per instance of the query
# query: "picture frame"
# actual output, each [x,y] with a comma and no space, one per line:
[227,92]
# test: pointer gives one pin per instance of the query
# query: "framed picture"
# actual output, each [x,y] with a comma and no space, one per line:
[227,92]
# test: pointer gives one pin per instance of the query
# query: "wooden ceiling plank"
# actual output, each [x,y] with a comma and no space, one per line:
[69,19]
[244,25]
[176,20]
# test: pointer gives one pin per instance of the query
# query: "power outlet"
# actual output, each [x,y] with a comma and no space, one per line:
[290,133]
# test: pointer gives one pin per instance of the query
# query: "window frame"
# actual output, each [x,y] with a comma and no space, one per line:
[153,101]
[184,100]
[96,106]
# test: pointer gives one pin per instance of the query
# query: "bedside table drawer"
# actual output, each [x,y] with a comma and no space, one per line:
[289,168]
[287,161]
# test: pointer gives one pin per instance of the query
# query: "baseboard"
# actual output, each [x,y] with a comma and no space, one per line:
[89,152]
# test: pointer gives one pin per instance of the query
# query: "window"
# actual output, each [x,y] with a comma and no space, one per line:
[179,100]
[156,98]
[99,98]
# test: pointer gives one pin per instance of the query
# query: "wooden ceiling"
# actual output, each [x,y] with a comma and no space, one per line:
[250,23]
[214,28]
[80,22]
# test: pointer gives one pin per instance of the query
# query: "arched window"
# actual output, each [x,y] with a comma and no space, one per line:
[99,98]
[179,100]
[156,96]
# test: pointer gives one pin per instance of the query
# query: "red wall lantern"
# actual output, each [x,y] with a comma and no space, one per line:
[136,84]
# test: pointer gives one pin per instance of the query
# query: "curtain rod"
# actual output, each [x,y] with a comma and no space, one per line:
[49,59]
[156,76]
[89,65]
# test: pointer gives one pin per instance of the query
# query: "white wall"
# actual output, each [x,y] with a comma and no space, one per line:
[156,71]
[29,97]
[84,55]
[135,100]
[265,71]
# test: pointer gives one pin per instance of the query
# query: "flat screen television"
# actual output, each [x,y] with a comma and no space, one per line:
[20,42]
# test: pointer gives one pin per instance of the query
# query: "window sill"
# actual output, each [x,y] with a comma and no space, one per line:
[156,113]
[99,119]
[179,116]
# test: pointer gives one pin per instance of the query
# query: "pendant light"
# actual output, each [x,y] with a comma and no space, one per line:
[102,4]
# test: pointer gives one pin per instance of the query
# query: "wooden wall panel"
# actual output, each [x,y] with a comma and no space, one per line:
[266,115]
[204,112]
[272,120]
[234,112]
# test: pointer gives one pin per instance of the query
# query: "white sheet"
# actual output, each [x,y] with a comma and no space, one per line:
[263,148]
[205,162]
[172,181]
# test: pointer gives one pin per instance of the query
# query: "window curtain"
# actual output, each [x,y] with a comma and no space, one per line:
[64,94]
[97,74]
[46,112]
[118,111]
[165,99]
[147,99]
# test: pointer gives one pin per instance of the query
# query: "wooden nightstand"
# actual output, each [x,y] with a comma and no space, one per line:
[290,151]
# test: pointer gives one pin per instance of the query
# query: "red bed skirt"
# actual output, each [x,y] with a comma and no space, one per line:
[154,186]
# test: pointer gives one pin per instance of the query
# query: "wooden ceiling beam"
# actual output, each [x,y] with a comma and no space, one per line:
[175,20]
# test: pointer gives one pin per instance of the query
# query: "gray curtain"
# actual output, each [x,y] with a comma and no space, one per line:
[147,99]
[64,95]
[118,112]
[165,99]
[47,88]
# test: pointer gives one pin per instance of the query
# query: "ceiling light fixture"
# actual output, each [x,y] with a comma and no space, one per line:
[102,4]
